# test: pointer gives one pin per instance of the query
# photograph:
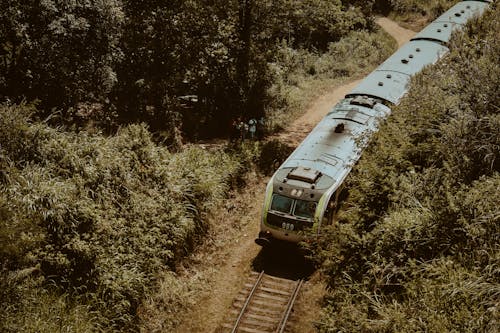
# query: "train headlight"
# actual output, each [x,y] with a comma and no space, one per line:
[296,192]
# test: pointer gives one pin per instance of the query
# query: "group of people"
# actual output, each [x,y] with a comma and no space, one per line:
[251,128]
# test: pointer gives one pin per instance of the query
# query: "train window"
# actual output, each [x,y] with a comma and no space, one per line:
[304,209]
[282,204]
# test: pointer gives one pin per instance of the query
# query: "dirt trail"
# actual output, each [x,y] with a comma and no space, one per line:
[400,34]
[231,261]
[230,255]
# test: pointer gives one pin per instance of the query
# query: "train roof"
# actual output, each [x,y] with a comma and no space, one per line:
[413,57]
[387,85]
[440,30]
[332,149]
[463,11]
[437,31]
[391,79]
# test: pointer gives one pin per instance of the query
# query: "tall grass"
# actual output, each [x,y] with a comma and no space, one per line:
[98,216]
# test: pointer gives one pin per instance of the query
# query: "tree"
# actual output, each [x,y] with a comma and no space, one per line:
[59,51]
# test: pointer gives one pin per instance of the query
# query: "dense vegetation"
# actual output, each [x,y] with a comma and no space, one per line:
[186,65]
[98,196]
[417,246]
[412,8]
[413,14]
[96,216]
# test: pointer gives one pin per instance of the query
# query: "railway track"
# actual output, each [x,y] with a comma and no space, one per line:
[264,305]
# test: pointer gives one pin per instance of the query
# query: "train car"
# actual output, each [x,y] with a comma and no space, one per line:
[305,192]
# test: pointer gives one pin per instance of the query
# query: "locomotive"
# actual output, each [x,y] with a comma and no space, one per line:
[305,192]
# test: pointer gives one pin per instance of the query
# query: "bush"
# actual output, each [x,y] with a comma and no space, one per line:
[272,155]
[427,7]
[101,216]
[29,307]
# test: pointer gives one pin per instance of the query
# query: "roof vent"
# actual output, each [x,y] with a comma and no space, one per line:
[388,76]
[339,128]
[418,49]
[468,7]
[364,100]
[445,25]
[458,14]
[439,30]
[303,174]
[411,56]
[404,61]
[381,84]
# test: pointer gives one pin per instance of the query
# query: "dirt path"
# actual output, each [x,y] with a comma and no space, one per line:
[232,253]
[400,34]
[232,260]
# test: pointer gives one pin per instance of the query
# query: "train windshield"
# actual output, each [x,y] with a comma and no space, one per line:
[282,204]
[304,208]
[299,208]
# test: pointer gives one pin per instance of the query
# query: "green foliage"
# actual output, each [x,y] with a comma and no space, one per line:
[27,307]
[174,296]
[272,155]
[433,8]
[61,52]
[417,247]
[101,216]
[413,14]
[115,62]
[407,8]
[316,23]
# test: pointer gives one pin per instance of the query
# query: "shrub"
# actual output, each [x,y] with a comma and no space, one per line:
[101,216]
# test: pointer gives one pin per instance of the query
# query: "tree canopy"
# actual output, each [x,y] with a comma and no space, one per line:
[123,61]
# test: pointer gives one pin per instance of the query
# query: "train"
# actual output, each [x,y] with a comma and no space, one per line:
[306,191]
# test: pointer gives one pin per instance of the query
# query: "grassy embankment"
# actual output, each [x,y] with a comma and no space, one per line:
[88,221]
[417,246]
[91,225]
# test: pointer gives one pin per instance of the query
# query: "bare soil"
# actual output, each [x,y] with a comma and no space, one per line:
[400,34]
[226,258]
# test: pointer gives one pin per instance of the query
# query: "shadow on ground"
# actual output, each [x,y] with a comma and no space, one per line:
[285,261]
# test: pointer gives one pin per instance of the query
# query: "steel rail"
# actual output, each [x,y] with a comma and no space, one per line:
[243,310]
[286,314]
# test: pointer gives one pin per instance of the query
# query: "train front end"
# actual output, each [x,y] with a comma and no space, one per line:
[294,205]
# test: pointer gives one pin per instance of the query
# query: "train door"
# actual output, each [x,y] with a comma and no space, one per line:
[334,205]
[330,210]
